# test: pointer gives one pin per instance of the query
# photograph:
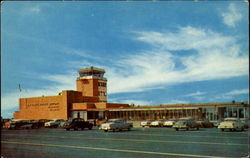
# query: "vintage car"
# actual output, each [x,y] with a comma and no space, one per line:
[246,122]
[185,124]
[231,124]
[20,124]
[146,123]
[116,124]
[169,123]
[205,124]
[217,122]
[100,122]
[53,123]
[77,123]
[156,123]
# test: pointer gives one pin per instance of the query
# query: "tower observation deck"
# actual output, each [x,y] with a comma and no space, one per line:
[92,83]
[92,71]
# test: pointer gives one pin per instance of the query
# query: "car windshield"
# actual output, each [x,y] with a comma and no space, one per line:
[115,121]
[180,123]
[231,119]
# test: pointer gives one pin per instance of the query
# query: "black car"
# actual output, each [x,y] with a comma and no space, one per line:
[78,123]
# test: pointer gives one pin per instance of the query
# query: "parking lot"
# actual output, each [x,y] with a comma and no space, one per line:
[139,142]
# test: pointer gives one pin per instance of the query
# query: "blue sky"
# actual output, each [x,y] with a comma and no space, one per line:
[153,52]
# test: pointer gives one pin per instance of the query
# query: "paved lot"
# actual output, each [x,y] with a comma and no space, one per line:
[140,142]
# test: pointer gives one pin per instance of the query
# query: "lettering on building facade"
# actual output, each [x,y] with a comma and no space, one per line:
[51,106]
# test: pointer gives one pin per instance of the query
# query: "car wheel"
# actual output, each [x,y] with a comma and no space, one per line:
[177,129]
[67,129]
[222,129]
[187,128]
[90,128]
[105,130]
[197,128]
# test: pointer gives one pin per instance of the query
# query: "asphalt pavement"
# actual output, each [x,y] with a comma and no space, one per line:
[137,143]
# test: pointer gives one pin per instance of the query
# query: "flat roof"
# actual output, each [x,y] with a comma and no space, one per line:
[91,69]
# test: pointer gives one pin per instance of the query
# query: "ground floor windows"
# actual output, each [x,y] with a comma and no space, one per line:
[209,113]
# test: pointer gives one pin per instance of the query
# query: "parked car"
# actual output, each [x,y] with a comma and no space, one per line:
[217,122]
[100,122]
[156,123]
[62,123]
[77,123]
[232,124]
[93,121]
[19,124]
[169,123]
[246,122]
[205,124]
[53,123]
[146,123]
[41,122]
[185,124]
[4,121]
[116,124]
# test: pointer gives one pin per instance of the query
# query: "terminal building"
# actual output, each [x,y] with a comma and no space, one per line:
[89,101]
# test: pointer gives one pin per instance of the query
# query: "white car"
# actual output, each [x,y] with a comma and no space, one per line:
[116,124]
[156,123]
[53,123]
[169,123]
[232,124]
[146,123]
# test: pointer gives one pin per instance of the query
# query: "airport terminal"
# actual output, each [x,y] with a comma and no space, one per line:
[89,101]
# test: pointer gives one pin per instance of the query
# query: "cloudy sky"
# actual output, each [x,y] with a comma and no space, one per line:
[153,52]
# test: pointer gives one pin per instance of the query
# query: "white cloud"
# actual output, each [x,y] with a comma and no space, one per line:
[238,92]
[198,93]
[232,16]
[231,95]
[214,56]
[62,82]
[175,101]
[136,102]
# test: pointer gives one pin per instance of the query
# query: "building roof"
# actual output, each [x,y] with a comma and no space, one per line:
[91,69]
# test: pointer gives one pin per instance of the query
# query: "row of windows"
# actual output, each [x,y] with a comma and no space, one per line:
[102,84]
[102,94]
[91,74]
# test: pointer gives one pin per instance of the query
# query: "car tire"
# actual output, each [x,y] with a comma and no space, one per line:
[129,129]
[197,128]
[67,129]
[187,129]
[90,128]
[222,129]
[177,129]
[105,130]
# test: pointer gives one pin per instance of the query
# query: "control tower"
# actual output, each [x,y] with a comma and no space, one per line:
[92,83]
